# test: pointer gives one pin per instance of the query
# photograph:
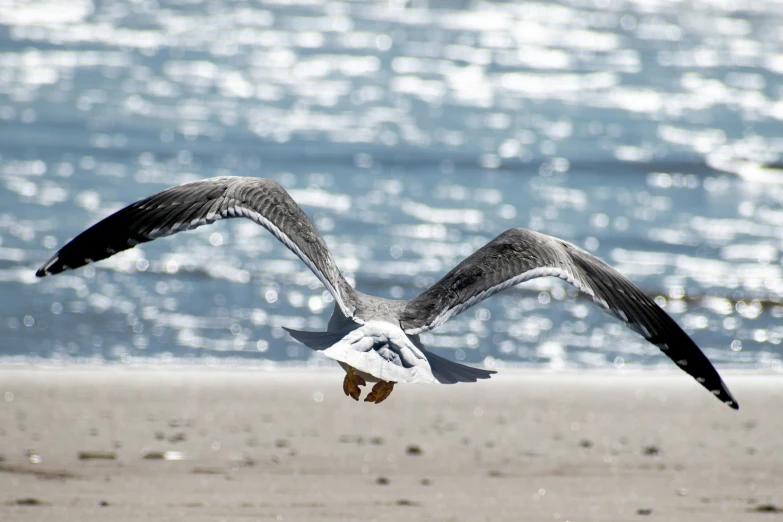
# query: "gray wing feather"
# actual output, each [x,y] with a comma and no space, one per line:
[519,255]
[192,205]
[450,372]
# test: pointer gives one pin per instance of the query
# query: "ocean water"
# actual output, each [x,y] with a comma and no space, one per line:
[648,132]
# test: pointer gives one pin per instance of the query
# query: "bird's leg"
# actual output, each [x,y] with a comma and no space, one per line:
[352,382]
[380,391]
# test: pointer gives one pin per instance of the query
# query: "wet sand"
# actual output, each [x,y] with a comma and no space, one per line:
[288,445]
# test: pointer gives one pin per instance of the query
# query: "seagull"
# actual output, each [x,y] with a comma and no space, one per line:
[376,339]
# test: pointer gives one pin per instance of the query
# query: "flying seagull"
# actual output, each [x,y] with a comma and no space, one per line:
[376,339]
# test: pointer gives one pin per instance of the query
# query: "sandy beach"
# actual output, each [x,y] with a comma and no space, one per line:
[120,444]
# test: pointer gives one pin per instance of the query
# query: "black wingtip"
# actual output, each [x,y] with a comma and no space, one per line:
[50,267]
[729,399]
[46,269]
[723,394]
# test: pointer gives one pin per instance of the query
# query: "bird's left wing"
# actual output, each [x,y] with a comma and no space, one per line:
[192,205]
[519,255]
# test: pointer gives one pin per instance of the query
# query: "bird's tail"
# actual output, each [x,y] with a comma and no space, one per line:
[445,371]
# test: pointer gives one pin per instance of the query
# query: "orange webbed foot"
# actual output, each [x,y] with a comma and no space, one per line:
[380,392]
[352,382]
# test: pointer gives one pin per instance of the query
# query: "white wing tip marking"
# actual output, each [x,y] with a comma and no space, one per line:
[51,262]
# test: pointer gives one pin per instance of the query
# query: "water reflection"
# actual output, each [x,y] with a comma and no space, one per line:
[412,133]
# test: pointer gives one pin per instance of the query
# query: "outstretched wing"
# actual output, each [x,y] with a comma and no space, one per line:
[519,255]
[192,205]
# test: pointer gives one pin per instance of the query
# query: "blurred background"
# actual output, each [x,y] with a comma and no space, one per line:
[648,132]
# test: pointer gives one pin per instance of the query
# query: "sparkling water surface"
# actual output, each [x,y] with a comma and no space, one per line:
[648,132]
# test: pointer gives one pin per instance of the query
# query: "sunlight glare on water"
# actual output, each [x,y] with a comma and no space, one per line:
[412,133]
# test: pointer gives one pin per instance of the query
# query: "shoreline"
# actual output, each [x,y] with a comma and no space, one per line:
[326,365]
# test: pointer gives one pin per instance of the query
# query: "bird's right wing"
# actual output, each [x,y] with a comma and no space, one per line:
[192,205]
[519,255]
